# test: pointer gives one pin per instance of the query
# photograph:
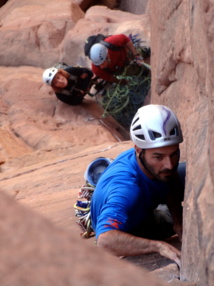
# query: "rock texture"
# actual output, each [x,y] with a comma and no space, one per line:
[46,145]
[48,34]
[43,160]
[86,4]
[134,6]
[182,44]
[43,254]
[41,29]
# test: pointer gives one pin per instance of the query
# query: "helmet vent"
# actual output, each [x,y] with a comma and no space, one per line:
[174,131]
[154,135]
[133,123]
[141,137]
[155,126]
[138,127]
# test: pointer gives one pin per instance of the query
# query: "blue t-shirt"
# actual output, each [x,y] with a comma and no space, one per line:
[124,196]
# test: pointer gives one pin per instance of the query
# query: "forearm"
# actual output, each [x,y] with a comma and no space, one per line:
[103,74]
[123,244]
[131,48]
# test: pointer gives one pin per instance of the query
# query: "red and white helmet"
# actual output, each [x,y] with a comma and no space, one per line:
[155,126]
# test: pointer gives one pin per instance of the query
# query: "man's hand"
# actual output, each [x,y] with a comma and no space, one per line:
[139,60]
[123,244]
[170,252]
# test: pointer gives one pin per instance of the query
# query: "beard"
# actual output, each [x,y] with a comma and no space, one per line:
[164,175]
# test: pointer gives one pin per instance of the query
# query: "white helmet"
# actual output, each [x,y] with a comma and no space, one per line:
[98,54]
[155,126]
[49,74]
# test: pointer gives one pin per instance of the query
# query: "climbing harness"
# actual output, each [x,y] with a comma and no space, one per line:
[83,204]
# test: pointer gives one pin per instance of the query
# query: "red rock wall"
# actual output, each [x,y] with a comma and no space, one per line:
[134,6]
[35,34]
[35,252]
[182,38]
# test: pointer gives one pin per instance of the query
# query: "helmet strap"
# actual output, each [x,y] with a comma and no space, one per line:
[143,162]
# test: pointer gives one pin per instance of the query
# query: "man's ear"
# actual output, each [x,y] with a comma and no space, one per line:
[138,150]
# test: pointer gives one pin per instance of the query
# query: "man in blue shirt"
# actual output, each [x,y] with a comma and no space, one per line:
[128,210]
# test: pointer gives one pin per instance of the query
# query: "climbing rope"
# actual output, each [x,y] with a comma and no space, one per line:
[123,101]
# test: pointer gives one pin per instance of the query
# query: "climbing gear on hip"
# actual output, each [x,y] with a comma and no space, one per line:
[83,204]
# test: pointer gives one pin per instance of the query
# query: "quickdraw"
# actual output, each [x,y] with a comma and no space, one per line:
[82,210]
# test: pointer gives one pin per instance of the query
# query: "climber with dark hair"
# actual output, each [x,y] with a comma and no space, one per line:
[137,202]
[70,84]
[113,56]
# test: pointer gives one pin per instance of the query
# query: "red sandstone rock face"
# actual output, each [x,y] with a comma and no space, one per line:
[39,121]
[134,6]
[46,145]
[86,4]
[47,34]
[41,29]
[35,252]
[182,65]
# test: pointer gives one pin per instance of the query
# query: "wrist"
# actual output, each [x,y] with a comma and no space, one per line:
[138,57]
[156,245]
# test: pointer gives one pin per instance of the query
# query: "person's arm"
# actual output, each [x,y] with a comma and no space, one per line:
[105,75]
[69,99]
[86,73]
[123,244]
[79,71]
[131,48]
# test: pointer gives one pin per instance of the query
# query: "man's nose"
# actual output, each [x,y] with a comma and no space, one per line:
[168,164]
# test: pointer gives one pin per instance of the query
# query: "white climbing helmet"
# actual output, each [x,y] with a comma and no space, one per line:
[95,169]
[98,54]
[49,74]
[155,126]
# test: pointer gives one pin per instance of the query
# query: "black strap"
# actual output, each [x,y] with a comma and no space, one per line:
[73,77]
[111,46]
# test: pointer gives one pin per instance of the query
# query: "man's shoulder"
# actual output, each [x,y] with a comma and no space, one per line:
[124,164]
[126,154]
[117,36]
[114,39]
